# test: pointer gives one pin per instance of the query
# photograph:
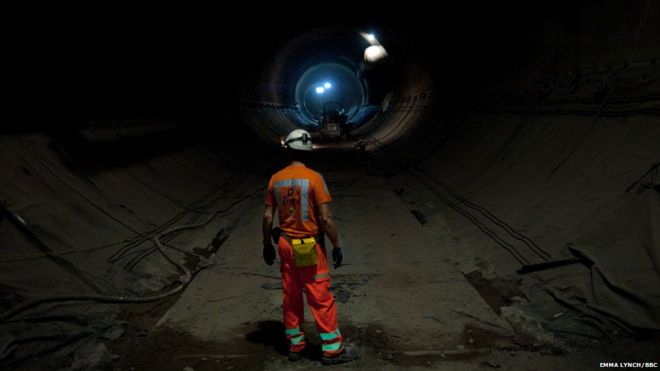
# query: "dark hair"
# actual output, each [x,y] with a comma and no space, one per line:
[297,155]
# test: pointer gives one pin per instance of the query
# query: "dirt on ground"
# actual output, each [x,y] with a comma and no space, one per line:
[262,346]
[259,343]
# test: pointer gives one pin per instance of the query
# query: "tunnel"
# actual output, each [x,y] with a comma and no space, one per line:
[493,169]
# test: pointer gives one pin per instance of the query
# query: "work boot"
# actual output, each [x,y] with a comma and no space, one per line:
[295,356]
[346,355]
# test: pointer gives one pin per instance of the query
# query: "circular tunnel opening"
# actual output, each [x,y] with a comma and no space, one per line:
[329,87]
[372,85]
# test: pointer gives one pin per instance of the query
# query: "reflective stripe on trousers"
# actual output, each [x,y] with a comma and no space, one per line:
[295,336]
[315,282]
[331,341]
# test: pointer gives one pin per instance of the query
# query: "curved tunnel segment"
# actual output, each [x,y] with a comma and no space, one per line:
[331,70]
[329,86]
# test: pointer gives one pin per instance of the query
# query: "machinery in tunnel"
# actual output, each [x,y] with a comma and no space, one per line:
[327,83]
[333,122]
[493,169]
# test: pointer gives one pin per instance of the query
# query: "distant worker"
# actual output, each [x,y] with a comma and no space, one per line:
[302,198]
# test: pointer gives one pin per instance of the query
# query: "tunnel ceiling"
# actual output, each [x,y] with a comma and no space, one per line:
[203,67]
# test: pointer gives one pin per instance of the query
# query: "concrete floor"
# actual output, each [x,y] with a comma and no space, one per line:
[406,295]
[403,300]
[396,277]
[410,295]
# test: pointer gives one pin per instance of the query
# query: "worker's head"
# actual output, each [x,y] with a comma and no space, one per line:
[298,145]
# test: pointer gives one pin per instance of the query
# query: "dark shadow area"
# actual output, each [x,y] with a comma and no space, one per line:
[271,333]
[93,156]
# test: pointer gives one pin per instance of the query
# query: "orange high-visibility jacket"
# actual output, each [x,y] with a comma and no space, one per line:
[297,191]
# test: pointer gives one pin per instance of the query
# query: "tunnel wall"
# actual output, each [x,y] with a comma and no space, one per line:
[552,150]
[94,203]
[508,164]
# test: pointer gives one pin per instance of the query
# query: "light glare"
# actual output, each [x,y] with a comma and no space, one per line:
[320,90]
[371,38]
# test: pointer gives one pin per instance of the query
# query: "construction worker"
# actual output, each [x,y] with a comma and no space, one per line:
[302,198]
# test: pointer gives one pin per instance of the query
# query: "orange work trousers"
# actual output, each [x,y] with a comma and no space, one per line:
[315,282]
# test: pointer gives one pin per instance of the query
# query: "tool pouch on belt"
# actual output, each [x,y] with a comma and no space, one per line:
[304,252]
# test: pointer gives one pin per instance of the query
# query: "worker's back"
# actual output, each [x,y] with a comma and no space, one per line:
[297,191]
[301,196]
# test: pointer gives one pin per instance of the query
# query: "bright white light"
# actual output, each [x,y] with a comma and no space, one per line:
[370,38]
[320,90]
[327,85]
[374,53]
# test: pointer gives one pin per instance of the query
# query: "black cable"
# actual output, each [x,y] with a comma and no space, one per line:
[511,231]
[193,207]
[531,245]
[170,236]
[487,231]
[434,189]
[511,166]
[443,141]
[584,137]
[38,255]
[142,237]
[187,278]
[138,240]
[483,211]
[156,191]
[653,169]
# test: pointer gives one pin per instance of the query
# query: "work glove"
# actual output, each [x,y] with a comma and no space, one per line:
[337,256]
[275,234]
[269,253]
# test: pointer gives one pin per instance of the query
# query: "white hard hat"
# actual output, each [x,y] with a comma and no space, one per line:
[298,139]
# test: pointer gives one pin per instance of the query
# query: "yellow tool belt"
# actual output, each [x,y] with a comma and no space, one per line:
[304,252]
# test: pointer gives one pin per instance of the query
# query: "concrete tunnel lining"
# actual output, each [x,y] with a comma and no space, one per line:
[543,143]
